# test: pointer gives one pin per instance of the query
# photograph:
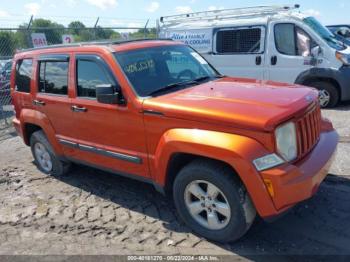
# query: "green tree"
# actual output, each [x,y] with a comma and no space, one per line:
[76,27]
[7,43]
[52,30]
[23,38]
[142,33]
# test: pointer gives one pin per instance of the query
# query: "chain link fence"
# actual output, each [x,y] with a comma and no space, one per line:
[13,39]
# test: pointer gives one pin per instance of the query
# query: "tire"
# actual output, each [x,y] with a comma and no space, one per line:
[38,141]
[242,210]
[327,89]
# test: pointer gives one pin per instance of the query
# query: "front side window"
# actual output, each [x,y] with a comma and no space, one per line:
[238,41]
[285,39]
[24,75]
[89,75]
[292,40]
[53,77]
[163,68]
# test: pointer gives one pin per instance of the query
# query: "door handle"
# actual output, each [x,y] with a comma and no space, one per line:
[274,60]
[78,109]
[258,60]
[38,103]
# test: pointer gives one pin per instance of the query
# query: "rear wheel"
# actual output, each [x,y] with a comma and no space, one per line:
[212,201]
[329,94]
[45,158]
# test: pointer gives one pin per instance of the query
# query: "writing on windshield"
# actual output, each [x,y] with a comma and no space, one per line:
[167,68]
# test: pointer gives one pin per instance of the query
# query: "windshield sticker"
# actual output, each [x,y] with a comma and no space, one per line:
[140,66]
[199,58]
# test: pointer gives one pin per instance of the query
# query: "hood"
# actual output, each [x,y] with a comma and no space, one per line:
[235,102]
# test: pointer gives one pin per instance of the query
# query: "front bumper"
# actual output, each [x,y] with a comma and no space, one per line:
[300,181]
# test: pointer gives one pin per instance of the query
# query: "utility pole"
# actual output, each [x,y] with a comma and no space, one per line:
[95,27]
[29,38]
[145,29]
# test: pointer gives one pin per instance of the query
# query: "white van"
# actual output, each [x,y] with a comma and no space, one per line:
[267,43]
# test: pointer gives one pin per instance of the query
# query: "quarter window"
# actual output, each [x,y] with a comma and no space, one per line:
[53,77]
[24,72]
[89,75]
[239,41]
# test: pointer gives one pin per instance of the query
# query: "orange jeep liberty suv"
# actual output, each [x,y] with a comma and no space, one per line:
[225,148]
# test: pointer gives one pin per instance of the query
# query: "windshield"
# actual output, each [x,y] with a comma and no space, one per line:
[323,32]
[151,70]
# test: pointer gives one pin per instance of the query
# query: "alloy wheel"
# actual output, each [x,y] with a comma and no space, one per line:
[43,157]
[207,205]
[324,98]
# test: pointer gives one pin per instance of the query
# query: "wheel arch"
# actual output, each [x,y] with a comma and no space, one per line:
[335,83]
[28,130]
[32,121]
[328,75]
[180,160]
[178,147]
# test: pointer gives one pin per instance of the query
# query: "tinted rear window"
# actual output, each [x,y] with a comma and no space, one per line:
[54,77]
[24,74]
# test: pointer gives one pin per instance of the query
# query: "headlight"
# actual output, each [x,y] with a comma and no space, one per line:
[286,141]
[344,58]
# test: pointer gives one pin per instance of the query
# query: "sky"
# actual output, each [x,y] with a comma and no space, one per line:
[135,13]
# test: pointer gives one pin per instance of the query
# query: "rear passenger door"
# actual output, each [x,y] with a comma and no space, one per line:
[52,93]
[239,51]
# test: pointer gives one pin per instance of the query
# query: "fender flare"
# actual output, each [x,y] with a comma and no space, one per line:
[340,76]
[34,117]
[235,150]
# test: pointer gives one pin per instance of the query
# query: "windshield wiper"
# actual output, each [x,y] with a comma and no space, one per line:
[172,86]
[182,84]
[202,78]
[220,76]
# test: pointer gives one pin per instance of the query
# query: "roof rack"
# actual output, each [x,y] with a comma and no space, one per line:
[228,13]
[102,43]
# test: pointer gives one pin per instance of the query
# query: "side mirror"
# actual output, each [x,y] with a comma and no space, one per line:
[344,32]
[316,51]
[107,94]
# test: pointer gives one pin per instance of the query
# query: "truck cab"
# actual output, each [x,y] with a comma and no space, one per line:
[268,43]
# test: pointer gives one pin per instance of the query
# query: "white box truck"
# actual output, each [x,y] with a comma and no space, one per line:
[276,43]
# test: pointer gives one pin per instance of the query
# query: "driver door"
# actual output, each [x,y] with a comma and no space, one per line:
[289,53]
[108,136]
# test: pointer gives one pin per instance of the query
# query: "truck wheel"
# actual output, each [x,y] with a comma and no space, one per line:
[212,201]
[45,158]
[329,94]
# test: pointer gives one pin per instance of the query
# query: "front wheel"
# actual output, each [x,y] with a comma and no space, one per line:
[328,94]
[212,201]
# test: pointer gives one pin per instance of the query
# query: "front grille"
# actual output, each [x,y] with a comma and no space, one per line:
[308,131]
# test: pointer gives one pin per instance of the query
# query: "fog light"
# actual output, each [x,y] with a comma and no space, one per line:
[267,162]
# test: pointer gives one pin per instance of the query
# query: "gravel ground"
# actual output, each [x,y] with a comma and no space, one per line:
[93,212]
